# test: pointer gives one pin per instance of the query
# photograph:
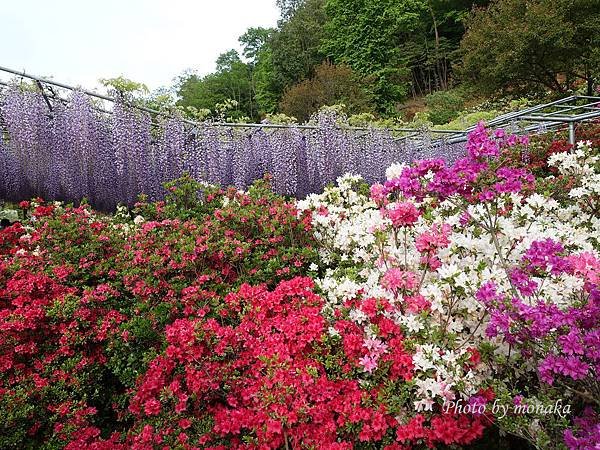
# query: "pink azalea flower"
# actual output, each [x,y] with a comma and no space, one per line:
[395,279]
[377,193]
[403,214]
[368,362]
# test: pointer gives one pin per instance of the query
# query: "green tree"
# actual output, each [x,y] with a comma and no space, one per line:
[231,81]
[405,47]
[330,85]
[253,42]
[295,46]
[267,90]
[520,45]
[125,88]
[288,7]
[280,58]
[138,93]
[161,99]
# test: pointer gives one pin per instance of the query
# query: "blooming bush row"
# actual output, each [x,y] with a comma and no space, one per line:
[479,267]
[387,316]
[85,300]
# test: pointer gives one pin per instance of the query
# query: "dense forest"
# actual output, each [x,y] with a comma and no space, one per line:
[378,56]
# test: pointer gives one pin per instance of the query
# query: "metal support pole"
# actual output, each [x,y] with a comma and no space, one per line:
[572,133]
[41,86]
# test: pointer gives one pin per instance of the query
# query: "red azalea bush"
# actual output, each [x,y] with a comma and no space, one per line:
[534,154]
[589,132]
[9,238]
[85,301]
[266,374]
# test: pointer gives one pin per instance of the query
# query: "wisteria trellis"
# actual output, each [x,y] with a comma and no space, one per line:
[75,151]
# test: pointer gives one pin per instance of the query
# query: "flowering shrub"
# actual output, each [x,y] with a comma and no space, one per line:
[390,316]
[266,374]
[493,284]
[535,155]
[85,300]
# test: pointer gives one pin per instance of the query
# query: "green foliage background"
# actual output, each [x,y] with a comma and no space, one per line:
[381,56]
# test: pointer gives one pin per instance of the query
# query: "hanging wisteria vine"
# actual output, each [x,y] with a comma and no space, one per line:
[75,151]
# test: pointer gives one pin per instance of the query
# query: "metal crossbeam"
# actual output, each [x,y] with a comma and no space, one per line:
[44,81]
[565,111]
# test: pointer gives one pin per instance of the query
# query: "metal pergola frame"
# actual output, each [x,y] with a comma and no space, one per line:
[567,111]
[45,84]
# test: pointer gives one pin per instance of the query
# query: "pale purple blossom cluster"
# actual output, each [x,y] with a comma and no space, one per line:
[74,151]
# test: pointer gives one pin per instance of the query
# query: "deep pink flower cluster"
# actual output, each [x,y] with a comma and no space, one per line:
[403,214]
[396,279]
[430,242]
[587,432]
[477,177]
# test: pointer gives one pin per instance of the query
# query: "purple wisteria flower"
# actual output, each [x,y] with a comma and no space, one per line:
[74,151]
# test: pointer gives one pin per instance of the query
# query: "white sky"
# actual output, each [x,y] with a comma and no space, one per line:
[150,41]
